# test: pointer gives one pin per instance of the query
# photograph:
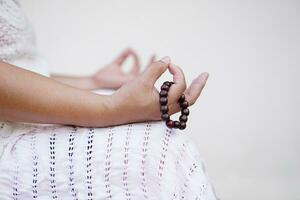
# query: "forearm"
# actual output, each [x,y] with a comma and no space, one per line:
[81,82]
[29,97]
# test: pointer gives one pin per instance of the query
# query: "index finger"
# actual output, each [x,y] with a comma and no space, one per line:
[179,85]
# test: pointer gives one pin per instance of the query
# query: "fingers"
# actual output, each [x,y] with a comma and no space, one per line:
[155,70]
[177,88]
[136,63]
[178,77]
[123,56]
[152,59]
[194,90]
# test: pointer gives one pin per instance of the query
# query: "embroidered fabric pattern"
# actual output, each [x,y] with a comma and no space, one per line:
[16,35]
[133,161]
[71,163]
[89,163]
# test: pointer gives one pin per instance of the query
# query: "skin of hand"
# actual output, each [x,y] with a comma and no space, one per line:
[111,76]
[30,97]
[138,99]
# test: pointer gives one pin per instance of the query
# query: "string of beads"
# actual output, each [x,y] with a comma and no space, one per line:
[164,109]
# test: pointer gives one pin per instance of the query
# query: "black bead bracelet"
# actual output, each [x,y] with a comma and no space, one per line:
[164,109]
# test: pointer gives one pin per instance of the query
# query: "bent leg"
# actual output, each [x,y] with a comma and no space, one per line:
[133,161]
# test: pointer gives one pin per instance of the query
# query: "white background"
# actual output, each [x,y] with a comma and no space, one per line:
[247,122]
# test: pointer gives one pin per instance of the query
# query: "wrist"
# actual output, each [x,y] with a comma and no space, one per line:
[113,111]
[109,111]
[97,81]
[92,82]
[93,111]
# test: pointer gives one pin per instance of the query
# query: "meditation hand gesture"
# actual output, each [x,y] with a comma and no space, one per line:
[113,75]
[53,102]
[138,100]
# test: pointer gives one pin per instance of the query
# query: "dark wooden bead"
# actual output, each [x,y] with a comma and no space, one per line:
[185,111]
[184,104]
[164,109]
[165,117]
[163,93]
[165,87]
[181,98]
[183,118]
[170,124]
[176,124]
[163,100]
[182,125]
[167,83]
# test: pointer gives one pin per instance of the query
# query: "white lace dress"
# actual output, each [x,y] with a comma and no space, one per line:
[133,161]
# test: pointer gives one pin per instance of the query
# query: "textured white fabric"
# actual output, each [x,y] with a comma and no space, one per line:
[17,39]
[133,161]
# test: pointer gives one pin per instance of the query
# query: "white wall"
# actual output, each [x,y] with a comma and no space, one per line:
[246,124]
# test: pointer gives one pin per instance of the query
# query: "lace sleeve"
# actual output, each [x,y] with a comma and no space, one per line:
[16,35]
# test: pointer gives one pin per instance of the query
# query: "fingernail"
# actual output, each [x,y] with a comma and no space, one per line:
[166,60]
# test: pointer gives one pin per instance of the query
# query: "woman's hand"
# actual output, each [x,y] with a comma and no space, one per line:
[30,97]
[112,76]
[138,100]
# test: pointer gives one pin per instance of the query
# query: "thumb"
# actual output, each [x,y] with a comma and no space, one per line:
[156,69]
